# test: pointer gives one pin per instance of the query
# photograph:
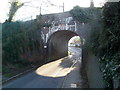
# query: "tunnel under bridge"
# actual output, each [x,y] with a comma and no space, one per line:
[57,45]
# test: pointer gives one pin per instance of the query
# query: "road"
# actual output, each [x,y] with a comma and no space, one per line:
[50,75]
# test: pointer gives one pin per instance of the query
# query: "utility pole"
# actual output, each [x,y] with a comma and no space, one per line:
[31,17]
[63,7]
[92,3]
[40,10]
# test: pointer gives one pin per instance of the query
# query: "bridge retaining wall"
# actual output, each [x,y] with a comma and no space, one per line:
[91,66]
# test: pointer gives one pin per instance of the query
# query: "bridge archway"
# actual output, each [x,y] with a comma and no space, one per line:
[57,45]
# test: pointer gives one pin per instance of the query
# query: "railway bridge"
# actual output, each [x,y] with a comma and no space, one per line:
[57,36]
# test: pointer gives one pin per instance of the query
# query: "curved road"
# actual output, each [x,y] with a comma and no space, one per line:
[50,75]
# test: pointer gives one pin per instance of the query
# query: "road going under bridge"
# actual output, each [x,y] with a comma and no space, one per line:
[64,72]
[57,37]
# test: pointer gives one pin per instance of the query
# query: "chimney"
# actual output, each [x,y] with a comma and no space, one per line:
[91,3]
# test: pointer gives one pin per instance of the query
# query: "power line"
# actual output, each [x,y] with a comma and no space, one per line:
[46,4]
[56,5]
[40,8]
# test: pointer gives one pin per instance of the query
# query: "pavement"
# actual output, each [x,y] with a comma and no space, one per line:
[62,73]
[0,81]
[73,79]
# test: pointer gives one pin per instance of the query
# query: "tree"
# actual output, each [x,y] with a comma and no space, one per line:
[106,45]
[79,14]
[15,5]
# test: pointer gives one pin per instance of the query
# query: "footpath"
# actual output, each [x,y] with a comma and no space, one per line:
[74,79]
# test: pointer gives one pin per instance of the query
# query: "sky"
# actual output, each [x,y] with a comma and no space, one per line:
[32,7]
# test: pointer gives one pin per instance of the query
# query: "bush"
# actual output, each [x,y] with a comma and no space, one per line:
[106,43]
[20,39]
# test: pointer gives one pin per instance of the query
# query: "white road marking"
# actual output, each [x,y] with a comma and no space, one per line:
[73,86]
[57,72]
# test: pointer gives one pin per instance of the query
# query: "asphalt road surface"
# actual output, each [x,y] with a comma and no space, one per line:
[50,75]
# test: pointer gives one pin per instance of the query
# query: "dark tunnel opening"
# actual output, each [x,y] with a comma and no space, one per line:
[57,45]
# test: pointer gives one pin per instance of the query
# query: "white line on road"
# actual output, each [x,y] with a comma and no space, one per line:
[57,72]
[65,78]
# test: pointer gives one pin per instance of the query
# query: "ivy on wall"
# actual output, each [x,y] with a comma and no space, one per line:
[104,37]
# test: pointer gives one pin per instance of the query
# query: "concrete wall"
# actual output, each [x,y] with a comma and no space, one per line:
[91,66]
[95,76]
[0,55]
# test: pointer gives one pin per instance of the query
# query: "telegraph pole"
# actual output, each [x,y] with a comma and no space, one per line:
[40,10]
[63,7]
[92,3]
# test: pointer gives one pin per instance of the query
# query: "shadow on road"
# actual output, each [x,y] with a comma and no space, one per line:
[66,63]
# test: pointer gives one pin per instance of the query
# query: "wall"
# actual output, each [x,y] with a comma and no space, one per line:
[91,66]
[0,55]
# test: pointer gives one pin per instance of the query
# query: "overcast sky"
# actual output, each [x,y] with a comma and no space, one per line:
[32,8]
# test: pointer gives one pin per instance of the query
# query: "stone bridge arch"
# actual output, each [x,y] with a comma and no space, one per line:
[57,45]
